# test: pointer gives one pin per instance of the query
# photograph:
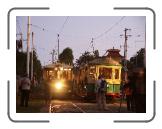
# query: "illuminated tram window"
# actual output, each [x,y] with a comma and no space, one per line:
[106,72]
[116,73]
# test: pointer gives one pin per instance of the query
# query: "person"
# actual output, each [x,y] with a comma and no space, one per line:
[101,87]
[128,92]
[25,90]
[47,90]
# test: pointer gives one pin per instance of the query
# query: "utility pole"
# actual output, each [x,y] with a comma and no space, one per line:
[28,46]
[125,43]
[32,55]
[58,45]
[125,51]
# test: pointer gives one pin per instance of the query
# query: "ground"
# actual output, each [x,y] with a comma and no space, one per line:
[71,105]
[75,106]
[67,104]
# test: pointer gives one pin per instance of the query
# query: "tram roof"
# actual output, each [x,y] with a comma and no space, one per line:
[105,61]
[50,66]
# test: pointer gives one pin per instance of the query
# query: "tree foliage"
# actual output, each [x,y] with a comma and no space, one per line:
[37,67]
[66,56]
[138,59]
[21,59]
[86,57]
[20,63]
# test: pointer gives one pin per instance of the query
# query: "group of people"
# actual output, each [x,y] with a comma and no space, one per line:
[134,89]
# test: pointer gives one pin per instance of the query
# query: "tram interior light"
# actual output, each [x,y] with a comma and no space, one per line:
[67,69]
[50,71]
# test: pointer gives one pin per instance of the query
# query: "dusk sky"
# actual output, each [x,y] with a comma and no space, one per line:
[76,32]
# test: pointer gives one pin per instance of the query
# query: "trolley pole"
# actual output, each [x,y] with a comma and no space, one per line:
[28,46]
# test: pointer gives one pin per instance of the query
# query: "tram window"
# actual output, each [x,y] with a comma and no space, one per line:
[54,75]
[116,73]
[106,72]
[92,70]
[50,72]
[66,75]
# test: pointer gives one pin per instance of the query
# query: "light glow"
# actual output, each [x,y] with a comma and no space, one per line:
[59,85]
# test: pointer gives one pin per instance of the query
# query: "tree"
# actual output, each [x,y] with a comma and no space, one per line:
[21,64]
[66,56]
[37,67]
[138,59]
[85,58]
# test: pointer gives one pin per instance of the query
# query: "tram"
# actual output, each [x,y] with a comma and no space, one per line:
[60,77]
[108,66]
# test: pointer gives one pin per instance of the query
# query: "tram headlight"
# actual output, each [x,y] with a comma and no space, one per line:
[59,85]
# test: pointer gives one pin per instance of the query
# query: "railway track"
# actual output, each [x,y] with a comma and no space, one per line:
[71,106]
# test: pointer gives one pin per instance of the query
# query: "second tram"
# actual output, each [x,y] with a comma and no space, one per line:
[60,77]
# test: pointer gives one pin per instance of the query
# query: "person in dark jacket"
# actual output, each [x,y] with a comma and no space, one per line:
[129,92]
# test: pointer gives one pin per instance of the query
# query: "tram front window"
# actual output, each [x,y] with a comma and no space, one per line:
[106,72]
[66,74]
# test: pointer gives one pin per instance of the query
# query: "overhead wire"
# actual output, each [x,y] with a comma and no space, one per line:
[41,28]
[114,25]
[105,32]
[62,27]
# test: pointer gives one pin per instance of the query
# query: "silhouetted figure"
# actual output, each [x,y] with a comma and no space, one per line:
[25,86]
[129,92]
[140,91]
